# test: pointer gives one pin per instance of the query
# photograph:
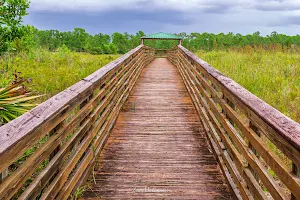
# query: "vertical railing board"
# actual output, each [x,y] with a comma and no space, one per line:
[228,140]
[205,116]
[28,128]
[104,117]
[282,125]
[122,99]
[291,181]
[84,116]
[12,178]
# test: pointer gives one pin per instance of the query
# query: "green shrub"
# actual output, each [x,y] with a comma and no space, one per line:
[63,51]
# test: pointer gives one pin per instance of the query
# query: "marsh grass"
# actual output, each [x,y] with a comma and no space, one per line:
[51,72]
[272,76]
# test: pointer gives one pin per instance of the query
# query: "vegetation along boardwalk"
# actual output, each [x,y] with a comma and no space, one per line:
[158,147]
[154,123]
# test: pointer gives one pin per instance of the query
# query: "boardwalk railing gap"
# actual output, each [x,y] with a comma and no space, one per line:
[63,136]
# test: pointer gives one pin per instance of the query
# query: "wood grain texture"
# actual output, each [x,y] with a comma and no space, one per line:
[158,147]
[240,112]
[104,94]
[217,117]
[20,134]
[284,127]
[161,144]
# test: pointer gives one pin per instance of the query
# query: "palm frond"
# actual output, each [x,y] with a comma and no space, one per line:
[15,100]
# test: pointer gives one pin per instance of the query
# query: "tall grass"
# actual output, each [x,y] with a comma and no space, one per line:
[272,76]
[50,72]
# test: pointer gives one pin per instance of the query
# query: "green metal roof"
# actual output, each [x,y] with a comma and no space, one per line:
[162,35]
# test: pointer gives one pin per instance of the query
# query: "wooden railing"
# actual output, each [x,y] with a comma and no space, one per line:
[49,152]
[257,146]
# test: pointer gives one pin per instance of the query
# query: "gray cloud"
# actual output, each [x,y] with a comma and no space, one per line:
[106,22]
[182,5]
[279,7]
[294,20]
[243,16]
[286,21]
[218,8]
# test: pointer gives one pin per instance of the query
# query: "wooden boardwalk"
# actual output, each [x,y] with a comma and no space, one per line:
[158,148]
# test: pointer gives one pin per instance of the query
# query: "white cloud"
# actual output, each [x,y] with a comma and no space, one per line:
[244,16]
[277,5]
[145,5]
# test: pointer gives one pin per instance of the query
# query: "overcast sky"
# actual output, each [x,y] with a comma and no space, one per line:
[108,16]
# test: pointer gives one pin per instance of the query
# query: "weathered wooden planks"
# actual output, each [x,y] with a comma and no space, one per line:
[236,120]
[158,148]
[281,124]
[74,126]
[33,125]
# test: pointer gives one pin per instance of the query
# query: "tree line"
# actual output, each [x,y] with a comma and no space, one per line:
[80,40]
[222,41]
[15,37]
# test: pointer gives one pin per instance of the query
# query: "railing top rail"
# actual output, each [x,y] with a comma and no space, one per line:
[53,108]
[283,125]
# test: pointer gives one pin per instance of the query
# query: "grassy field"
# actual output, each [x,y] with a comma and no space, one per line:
[273,77]
[51,72]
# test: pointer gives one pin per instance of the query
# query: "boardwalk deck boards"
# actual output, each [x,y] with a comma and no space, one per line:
[158,147]
[173,129]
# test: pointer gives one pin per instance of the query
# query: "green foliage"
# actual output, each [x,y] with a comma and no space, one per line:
[51,72]
[79,40]
[256,42]
[63,51]
[16,37]
[12,12]
[79,192]
[24,43]
[121,42]
[272,76]
[11,29]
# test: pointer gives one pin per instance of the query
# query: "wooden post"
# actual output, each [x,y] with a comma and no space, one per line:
[142,41]
[180,42]
[3,175]
[53,132]
[257,132]
[295,170]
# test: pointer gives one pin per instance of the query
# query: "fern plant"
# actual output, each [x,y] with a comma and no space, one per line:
[15,99]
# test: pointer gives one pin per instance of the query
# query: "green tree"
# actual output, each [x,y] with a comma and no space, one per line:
[79,39]
[11,15]
[121,42]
